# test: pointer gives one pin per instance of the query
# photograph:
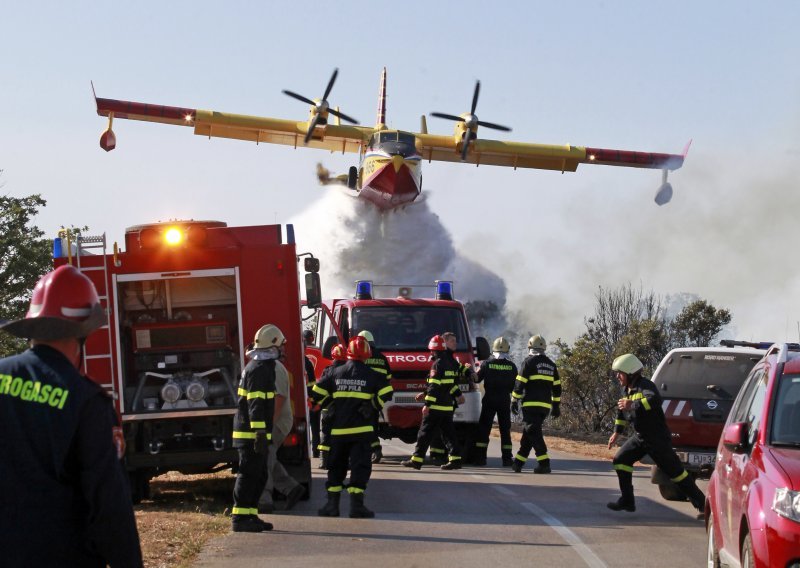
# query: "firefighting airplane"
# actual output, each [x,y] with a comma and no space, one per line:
[390,171]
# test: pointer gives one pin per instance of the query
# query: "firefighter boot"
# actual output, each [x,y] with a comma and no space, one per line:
[411,463]
[543,466]
[479,455]
[377,454]
[516,466]
[323,459]
[357,508]
[508,460]
[452,464]
[249,523]
[331,508]
[689,487]
[626,502]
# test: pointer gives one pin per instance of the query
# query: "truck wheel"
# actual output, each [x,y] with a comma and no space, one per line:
[712,555]
[140,486]
[670,492]
[748,561]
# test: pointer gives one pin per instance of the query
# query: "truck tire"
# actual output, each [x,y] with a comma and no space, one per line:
[670,492]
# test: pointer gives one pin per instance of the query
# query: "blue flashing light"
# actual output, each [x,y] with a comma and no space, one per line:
[363,289]
[444,290]
[57,253]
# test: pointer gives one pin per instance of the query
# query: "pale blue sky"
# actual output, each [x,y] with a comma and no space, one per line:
[628,75]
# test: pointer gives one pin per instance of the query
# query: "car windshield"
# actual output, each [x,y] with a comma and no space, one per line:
[409,328]
[689,374]
[786,421]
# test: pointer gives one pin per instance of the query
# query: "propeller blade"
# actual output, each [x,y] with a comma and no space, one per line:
[465,147]
[447,116]
[475,96]
[299,97]
[494,126]
[330,85]
[342,116]
[311,128]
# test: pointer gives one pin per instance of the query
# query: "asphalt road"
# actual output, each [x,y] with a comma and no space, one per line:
[477,517]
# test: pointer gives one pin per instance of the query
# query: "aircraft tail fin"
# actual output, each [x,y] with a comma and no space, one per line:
[382,102]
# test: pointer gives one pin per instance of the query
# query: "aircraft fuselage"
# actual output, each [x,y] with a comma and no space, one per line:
[390,173]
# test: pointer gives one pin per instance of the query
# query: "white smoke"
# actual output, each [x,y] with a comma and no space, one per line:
[402,247]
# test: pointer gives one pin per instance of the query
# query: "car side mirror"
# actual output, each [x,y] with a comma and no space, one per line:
[328,346]
[734,437]
[482,348]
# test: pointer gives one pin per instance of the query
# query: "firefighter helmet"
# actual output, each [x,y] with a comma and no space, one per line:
[366,334]
[436,343]
[628,364]
[269,336]
[537,342]
[500,345]
[339,352]
[64,305]
[358,349]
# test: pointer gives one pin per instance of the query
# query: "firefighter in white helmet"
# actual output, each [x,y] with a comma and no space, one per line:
[252,427]
[641,408]
[498,374]
[538,391]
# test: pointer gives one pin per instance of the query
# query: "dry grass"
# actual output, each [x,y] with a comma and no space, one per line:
[183,513]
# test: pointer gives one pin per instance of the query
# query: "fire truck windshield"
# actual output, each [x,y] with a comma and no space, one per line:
[409,328]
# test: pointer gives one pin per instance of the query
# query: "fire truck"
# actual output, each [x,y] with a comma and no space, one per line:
[402,326]
[184,299]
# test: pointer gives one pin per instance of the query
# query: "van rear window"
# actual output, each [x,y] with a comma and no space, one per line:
[688,375]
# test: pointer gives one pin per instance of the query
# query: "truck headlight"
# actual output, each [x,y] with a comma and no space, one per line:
[171,392]
[787,503]
[196,390]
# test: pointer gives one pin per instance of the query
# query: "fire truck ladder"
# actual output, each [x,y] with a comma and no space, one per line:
[83,244]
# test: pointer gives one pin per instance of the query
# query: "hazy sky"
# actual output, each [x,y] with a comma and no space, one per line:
[624,74]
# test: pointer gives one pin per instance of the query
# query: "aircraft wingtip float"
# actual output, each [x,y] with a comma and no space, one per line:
[389,173]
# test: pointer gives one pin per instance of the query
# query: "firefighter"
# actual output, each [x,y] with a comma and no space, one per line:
[538,387]
[498,374]
[640,407]
[356,391]
[339,356]
[440,398]
[314,415]
[377,362]
[252,428]
[64,496]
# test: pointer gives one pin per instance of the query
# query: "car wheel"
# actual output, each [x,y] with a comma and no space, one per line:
[747,553]
[713,551]
[670,492]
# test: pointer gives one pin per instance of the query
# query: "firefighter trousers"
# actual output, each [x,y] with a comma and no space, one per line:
[314,417]
[491,406]
[354,454]
[437,421]
[250,481]
[326,423]
[532,436]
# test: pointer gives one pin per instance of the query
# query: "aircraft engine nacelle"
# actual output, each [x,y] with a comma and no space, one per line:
[108,141]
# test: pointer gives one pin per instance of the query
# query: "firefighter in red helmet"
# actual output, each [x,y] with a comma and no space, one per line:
[358,393]
[63,481]
[441,396]
[338,356]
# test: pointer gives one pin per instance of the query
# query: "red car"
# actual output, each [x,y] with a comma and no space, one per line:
[753,501]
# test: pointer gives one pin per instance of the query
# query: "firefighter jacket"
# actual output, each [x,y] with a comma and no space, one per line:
[310,378]
[646,416]
[378,362]
[64,496]
[356,390]
[498,377]
[256,402]
[538,386]
[442,390]
[327,401]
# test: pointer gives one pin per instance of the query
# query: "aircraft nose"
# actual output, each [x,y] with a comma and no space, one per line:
[397,161]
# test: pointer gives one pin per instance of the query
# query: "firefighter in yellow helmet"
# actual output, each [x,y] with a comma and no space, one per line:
[641,408]
[538,390]
[252,427]
[498,374]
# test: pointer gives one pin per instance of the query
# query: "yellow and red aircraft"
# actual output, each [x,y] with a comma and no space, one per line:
[390,169]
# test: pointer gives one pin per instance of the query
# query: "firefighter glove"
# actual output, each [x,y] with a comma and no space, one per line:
[556,412]
[515,406]
[261,444]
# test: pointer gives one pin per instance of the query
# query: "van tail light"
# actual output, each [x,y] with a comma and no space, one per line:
[291,440]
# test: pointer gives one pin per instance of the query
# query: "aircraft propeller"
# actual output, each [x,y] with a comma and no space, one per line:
[322,107]
[471,122]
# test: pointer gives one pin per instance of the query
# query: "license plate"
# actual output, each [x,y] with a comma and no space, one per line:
[700,459]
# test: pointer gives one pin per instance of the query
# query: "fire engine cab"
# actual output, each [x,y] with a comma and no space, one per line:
[184,299]
[402,326]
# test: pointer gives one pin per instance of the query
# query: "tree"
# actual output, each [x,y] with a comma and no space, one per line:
[24,258]
[698,324]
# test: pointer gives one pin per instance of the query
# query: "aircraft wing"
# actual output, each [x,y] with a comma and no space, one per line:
[333,137]
[565,158]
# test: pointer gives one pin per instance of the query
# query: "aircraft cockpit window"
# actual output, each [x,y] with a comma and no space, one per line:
[397,143]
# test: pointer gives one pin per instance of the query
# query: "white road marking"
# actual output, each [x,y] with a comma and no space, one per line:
[477,476]
[569,537]
[504,490]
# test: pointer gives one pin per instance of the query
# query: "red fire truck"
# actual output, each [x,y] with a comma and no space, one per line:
[184,299]
[402,325]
